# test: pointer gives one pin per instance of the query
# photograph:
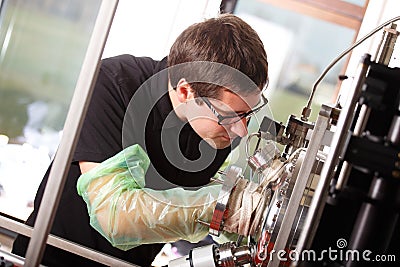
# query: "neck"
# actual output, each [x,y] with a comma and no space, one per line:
[176,104]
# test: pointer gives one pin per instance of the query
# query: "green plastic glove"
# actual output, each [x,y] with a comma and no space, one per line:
[128,215]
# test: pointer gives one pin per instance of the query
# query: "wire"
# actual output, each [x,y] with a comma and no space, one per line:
[340,57]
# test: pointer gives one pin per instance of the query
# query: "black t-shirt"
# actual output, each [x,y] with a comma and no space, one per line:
[129,105]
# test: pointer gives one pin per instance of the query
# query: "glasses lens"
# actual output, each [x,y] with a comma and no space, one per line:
[233,119]
[230,120]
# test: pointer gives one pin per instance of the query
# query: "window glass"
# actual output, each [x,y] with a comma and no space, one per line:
[356,2]
[299,47]
[42,47]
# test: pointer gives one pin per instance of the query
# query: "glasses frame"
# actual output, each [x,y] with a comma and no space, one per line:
[239,117]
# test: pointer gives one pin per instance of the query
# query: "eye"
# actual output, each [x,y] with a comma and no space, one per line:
[231,113]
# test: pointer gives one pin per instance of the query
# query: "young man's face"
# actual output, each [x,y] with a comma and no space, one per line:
[205,122]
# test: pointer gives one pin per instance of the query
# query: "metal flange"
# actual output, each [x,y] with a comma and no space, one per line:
[232,174]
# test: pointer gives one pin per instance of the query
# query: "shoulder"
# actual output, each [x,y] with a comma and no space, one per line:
[122,75]
[129,65]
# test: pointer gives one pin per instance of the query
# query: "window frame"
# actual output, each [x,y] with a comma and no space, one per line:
[335,11]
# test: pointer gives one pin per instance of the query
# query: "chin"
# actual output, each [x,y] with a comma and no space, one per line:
[223,145]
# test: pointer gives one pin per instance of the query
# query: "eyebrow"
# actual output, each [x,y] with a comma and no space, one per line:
[231,112]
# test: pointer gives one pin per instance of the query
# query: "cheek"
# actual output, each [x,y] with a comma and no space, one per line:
[206,127]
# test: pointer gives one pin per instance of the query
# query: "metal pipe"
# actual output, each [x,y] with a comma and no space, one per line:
[73,124]
[376,220]
[386,47]
[307,110]
[55,241]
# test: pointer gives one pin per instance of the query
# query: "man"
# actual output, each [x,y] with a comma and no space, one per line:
[187,111]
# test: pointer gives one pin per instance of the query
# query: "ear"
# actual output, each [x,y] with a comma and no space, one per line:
[184,91]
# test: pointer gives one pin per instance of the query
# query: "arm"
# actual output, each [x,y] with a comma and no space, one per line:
[129,215]
[87,166]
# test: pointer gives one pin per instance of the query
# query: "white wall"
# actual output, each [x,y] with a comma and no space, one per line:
[378,12]
[148,28]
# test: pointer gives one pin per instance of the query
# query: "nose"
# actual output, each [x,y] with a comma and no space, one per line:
[239,128]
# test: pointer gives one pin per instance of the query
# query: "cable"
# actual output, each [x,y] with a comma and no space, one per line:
[307,110]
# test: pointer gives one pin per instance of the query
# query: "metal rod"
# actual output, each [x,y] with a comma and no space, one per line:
[386,47]
[302,178]
[359,128]
[383,55]
[338,143]
[73,123]
[80,250]
[1,6]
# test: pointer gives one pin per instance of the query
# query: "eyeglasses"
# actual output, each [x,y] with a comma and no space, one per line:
[225,120]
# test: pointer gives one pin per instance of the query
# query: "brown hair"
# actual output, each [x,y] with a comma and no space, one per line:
[226,39]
